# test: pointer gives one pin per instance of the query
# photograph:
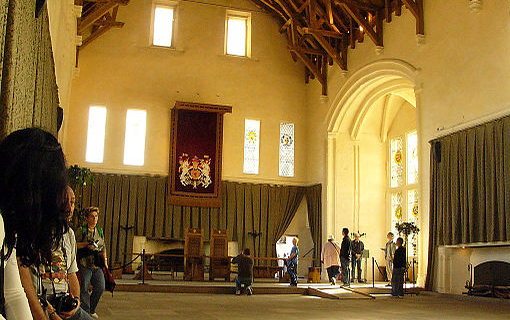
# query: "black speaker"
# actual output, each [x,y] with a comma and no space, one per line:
[437,151]
[39,4]
[60,118]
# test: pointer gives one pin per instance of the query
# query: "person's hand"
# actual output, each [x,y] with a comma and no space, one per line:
[52,315]
[67,315]
[91,247]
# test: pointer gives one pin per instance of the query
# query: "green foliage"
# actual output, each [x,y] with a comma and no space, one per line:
[79,176]
[407,228]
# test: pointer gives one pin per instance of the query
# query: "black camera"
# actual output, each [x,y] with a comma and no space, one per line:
[95,243]
[61,302]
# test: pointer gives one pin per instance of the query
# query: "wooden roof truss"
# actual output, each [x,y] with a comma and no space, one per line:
[98,16]
[319,32]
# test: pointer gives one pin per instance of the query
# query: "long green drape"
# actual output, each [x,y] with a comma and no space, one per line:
[469,188]
[314,202]
[255,215]
[28,94]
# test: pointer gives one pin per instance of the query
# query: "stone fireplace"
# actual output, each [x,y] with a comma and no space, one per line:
[453,262]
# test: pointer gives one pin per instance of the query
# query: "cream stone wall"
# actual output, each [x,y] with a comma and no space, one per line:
[461,76]
[120,70]
[62,17]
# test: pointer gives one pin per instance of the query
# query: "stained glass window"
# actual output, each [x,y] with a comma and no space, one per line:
[397,211]
[286,167]
[397,162]
[251,146]
[412,216]
[412,158]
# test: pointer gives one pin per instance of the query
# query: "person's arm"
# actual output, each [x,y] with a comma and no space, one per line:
[292,254]
[74,290]
[105,259]
[82,245]
[74,285]
[33,301]
[16,304]
[236,259]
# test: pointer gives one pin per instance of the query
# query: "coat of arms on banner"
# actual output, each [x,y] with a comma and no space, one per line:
[195,172]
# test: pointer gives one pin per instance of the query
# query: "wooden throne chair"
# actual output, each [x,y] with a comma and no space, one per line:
[194,255]
[219,260]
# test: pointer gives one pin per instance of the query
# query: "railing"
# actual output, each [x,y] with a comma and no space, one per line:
[145,255]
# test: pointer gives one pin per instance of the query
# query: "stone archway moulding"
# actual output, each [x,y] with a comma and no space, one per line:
[398,74]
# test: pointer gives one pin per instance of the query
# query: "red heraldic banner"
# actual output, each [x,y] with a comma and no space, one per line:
[195,154]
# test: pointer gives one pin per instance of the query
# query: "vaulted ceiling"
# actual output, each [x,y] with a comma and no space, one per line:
[320,32]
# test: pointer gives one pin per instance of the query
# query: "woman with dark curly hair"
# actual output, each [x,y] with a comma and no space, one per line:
[33,180]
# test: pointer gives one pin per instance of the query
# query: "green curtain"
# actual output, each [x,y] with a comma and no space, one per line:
[314,203]
[287,203]
[469,185]
[255,215]
[28,94]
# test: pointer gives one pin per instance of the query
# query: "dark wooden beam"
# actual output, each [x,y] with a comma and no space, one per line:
[318,52]
[359,6]
[375,35]
[99,11]
[311,66]
[327,46]
[272,7]
[325,33]
[387,6]
[93,36]
[312,9]
[416,8]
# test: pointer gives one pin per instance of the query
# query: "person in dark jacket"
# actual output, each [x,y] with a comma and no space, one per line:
[357,253]
[399,266]
[244,271]
[345,255]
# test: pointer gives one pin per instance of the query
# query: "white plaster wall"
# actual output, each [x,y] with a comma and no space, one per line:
[462,76]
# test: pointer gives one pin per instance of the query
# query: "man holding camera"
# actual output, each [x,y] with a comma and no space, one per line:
[92,260]
[53,291]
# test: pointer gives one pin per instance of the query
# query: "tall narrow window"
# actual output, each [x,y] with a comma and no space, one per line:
[396,210]
[163,26]
[397,159]
[134,144]
[404,206]
[286,166]
[95,134]
[412,216]
[412,158]
[251,146]
[238,34]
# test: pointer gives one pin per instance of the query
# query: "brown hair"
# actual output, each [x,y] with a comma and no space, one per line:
[88,210]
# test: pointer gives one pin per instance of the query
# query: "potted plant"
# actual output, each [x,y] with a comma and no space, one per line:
[78,178]
[406,229]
